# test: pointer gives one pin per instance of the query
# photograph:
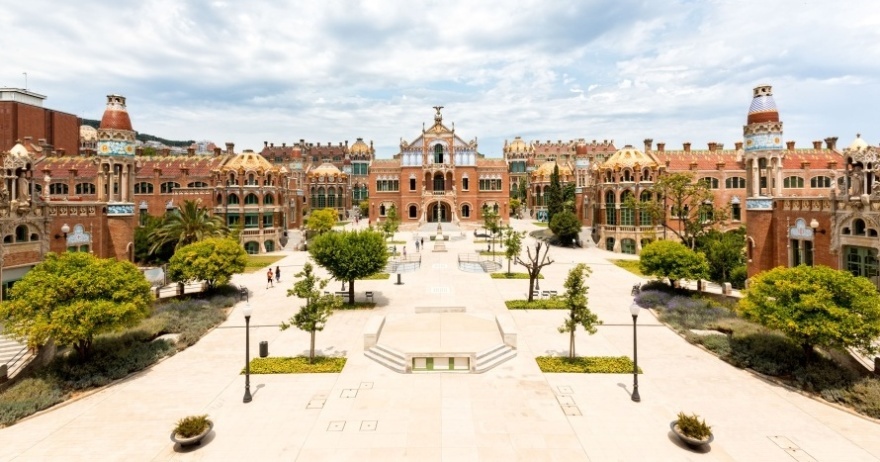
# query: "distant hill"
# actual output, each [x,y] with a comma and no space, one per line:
[145,137]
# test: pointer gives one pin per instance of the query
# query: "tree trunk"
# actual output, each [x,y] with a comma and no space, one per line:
[571,353]
[531,287]
[809,351]
[351,292]
[312,348]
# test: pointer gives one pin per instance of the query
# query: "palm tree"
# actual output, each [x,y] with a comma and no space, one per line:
[189,223]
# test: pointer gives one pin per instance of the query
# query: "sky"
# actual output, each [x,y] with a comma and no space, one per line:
[328,71]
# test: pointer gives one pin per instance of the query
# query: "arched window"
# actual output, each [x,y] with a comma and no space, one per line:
[709,182]
[85,188]
[820,182]
[627,175]
[627,215]
[628,246]
[858,227]
[791,182]
[646,174]
[645,218]
[232,199]
[231,180]
[143,188]
[466,211]
[382,210]
[610,212]
[609,244]
[58,189]
[413,211]
[322,198]
[197,184]
[251,181]
[439,182]
[251,199]
[269,199]
[21,233]
[331,197]
[735,182]
[465,182]
[438,153]
[168,187]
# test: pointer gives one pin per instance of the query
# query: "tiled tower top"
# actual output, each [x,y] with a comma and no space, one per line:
[763,108]
[115,115]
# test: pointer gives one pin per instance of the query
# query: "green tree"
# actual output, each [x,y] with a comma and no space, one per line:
[350,255]
[724,252]
[321,220]
[568,197]
[72,297]
[554,194]
[212,260]
[515,204]
[513,245]
[313,316]
[143,243]
[492,223]
[391,223]
[575,299]
[690,203]
[815,306]
[673,260]
[190,223]
[365,208]
[523,192]
[566,226]
[534,264]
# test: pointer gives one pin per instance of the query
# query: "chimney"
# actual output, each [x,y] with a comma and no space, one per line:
[265,144]
[230,148]
[60,152]
[831,142]
[284,144]
[687,147]
[27,139]
[190,151]
[648,143]
[719,146]
[738,145]
[272,145]
[817,145]
[789,145]
[661,147]
[217,151]
[712,146]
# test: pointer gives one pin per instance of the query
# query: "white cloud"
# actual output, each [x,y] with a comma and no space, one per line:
[330,71]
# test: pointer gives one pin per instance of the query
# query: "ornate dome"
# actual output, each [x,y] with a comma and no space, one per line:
[115,115]
[858,144]
[359,147]
[518,146]
[249,160]
[763,107]
[629,156]
[327,169]
[88,133]
[546,169]
[19,154]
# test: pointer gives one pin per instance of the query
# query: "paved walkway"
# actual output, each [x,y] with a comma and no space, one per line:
[513,412]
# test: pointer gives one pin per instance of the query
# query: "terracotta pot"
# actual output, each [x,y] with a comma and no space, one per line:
[193,440]
[692,442]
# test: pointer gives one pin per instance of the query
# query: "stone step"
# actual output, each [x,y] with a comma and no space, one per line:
[389,362]
[390,352]
[494,357]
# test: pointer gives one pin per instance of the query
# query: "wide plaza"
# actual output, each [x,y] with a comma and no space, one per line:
[512,412]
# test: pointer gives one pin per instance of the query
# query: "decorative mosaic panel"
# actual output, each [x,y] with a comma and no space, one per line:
[759,204]
[120,209]
[763,142]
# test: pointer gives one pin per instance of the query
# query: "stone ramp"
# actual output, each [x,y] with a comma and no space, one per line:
[13,355]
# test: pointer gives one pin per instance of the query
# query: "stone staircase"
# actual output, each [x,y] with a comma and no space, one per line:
[387,357]
[494,356]
[13,355]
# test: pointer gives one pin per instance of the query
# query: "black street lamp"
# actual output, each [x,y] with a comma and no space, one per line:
[634,311]
[247,352]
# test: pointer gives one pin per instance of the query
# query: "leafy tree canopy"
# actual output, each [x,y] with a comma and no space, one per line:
[350,255]
[566,226]
[392,222]
[575,300]
[815,306]
[724,252]
[672,260]
[72,297]
[313,315]
[690,204]
[554,193]
[321,220]
[212,260]
[189,223]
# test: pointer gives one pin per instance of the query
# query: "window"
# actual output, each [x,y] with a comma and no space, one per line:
[251,181]
[707,213]
[197,184]
[465,183]
[232,220]
[466,211]
[251,220]
[251,199]
[331,197]
[735,212]
[645,218]
[232,199]
[60,189]
[628,246]
[382,210]
[627,175]
[820,182]
[268,221]
[413,211]
[490,185]
[801,252]
[85,188]
[793,182]
[858,227]
[711,183]
[610,212]
[269,199]
[21,233]
[438,154]
[143,188]
[735,182]
[168,187]
[387,185]
[609,244]
[627,217]
[322,198]
[862,261]
[439,183]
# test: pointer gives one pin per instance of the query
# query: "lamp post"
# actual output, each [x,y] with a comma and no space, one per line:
[634,311]
[247,352]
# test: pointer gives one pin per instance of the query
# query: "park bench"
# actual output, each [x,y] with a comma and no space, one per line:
[243,293]
[369,296]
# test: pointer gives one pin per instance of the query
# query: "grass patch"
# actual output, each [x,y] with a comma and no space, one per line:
[375,277]
[513,276]
[397,242]
[553,303]
[541,224]
[296,365]
[27,397]
[492,254]
[342,223]
[258,262]
[630,265]
[357,305]
[586,364]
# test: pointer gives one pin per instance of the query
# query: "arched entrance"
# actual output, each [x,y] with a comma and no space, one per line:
[439,211]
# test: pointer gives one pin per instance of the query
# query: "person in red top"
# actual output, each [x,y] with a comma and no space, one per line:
[270,281]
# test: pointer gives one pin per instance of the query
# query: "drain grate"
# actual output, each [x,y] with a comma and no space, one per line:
[336,426]
[349,393]
[369,425]
[366,385]
[438,290]
[565,390]
[792,449]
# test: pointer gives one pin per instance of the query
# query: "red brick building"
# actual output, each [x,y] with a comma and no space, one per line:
[22,116]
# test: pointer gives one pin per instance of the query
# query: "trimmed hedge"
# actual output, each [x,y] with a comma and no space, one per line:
[513,276]
[375,277]
[586,364]
[28,397]
[296,365]
[536,304]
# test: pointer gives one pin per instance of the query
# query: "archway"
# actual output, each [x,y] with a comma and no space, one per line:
[439,211]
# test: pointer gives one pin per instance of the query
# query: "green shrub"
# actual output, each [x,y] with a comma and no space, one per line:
[113,357]
[552,303]
[192,318]
[375,277]
[193,425]
[693,426]
[718,344]
[737,326]
[738,277]
[357,305]
[652,298]
[296,365]
[823,374]
[27,397]
[513,276]
[768,353]
[864,396]
[586,364]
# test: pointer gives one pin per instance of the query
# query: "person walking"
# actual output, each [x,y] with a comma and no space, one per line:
[404,252]
[417,246]
[423,242]
[278,274]
[269,281]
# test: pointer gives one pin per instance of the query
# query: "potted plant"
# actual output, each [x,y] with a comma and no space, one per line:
[692,430]
[190,430]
